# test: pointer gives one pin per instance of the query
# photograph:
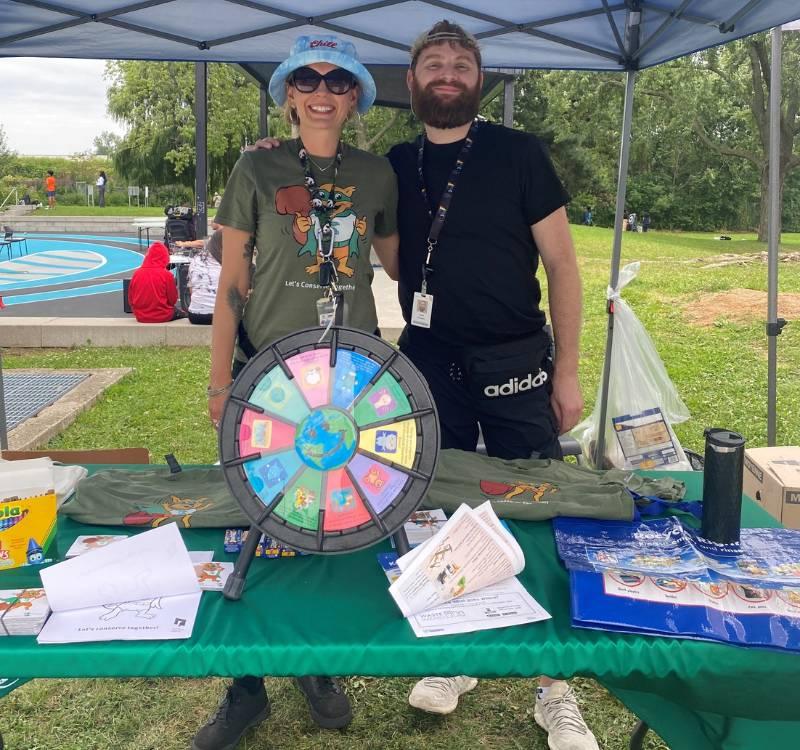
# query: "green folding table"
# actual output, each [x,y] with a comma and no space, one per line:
[333,615]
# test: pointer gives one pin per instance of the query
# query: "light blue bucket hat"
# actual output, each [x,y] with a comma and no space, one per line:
[330,49]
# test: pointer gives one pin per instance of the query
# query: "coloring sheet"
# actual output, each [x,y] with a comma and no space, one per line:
[145,584]
[155,619]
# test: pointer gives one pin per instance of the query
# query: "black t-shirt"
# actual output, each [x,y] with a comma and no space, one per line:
[484,279]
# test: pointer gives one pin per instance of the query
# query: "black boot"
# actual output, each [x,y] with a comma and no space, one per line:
[329,706]
[238,711]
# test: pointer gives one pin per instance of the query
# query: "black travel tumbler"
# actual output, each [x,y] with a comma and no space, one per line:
[722,486]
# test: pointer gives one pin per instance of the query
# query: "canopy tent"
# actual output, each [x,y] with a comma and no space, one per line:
[586,34]
[600,35]
[597,35]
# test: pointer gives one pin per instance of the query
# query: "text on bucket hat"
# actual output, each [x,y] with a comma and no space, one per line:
[330,49]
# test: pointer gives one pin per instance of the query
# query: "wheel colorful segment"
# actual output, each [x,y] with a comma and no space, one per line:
[329,446]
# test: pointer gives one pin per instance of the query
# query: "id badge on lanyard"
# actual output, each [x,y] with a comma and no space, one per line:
[421,310]
[422,306]
[330,310]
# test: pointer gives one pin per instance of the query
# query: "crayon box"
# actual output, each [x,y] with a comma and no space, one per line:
[27,530]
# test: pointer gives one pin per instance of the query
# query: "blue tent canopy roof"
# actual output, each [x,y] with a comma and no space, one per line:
[583,34]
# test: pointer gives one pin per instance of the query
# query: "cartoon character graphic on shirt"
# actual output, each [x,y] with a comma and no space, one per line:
[348,228]
[173,508]
[500,491]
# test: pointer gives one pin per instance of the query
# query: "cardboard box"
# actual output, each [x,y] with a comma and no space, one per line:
[772,479]
[98,456]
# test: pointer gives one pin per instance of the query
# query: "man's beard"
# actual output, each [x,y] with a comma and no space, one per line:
[451,112]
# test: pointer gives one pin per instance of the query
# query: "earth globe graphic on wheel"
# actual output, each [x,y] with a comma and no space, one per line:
[326,439]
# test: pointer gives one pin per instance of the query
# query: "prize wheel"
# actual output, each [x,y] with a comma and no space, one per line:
[329,446]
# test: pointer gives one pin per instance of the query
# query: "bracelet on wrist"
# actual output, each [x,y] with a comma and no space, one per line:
[211,392]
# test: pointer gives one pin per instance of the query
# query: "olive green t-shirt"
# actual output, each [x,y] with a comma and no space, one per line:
[266,196]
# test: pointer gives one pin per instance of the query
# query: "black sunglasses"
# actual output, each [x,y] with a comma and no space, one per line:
[306,80]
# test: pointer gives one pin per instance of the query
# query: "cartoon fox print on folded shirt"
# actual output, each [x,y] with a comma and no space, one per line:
[348,228]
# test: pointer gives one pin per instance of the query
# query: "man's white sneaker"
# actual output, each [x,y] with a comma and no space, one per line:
[439,695]
[558,714]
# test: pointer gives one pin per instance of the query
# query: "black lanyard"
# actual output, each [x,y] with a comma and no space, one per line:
[321,207]
[437,221]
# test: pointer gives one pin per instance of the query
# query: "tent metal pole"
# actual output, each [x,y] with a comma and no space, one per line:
[263,112]
[774,325]
[508,103]
[622,184]
[3,426]
[201,146]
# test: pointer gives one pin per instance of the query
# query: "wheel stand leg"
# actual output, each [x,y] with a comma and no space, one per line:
[638,735]
[235,583]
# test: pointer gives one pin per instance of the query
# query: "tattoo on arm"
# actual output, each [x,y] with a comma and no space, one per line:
[236,303]
[249,247]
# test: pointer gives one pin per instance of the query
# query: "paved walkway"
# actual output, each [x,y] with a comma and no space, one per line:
[56,330]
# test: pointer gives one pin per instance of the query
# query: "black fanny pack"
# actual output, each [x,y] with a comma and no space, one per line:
[509,369]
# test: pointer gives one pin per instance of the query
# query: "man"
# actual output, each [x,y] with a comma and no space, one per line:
[479,205]
[50,189]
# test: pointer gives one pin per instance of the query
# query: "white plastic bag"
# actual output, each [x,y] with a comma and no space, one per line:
[642,401]
[33,476]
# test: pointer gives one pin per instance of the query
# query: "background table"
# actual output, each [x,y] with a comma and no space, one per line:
[146,224]
[333,615]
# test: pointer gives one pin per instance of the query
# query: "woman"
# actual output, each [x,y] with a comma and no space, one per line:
[203,276]
[204,270]
[267,204]
[101,189]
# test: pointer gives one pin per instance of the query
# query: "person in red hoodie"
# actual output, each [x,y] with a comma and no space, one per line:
[152,293]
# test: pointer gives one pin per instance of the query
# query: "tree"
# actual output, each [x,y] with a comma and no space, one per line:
[6,154]
[740,82]
[156,102]
[106,143]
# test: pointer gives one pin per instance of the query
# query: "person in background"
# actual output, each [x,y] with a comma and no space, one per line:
[204,270]
[587,217]
[217,200]
[645,221]
[101,189]
[152,293]
[50,189]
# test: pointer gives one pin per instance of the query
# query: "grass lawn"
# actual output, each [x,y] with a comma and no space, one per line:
[720,370]
[108,211]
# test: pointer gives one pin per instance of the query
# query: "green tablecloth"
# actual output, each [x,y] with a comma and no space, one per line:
[333,615]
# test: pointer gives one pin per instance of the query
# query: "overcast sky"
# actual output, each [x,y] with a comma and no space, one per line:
[53,106]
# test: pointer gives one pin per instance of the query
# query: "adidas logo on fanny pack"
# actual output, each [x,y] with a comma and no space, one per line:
[515,385]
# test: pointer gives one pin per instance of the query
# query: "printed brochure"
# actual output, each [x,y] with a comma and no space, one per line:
[463,578]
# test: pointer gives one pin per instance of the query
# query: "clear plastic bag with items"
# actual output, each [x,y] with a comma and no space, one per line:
[643,403]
